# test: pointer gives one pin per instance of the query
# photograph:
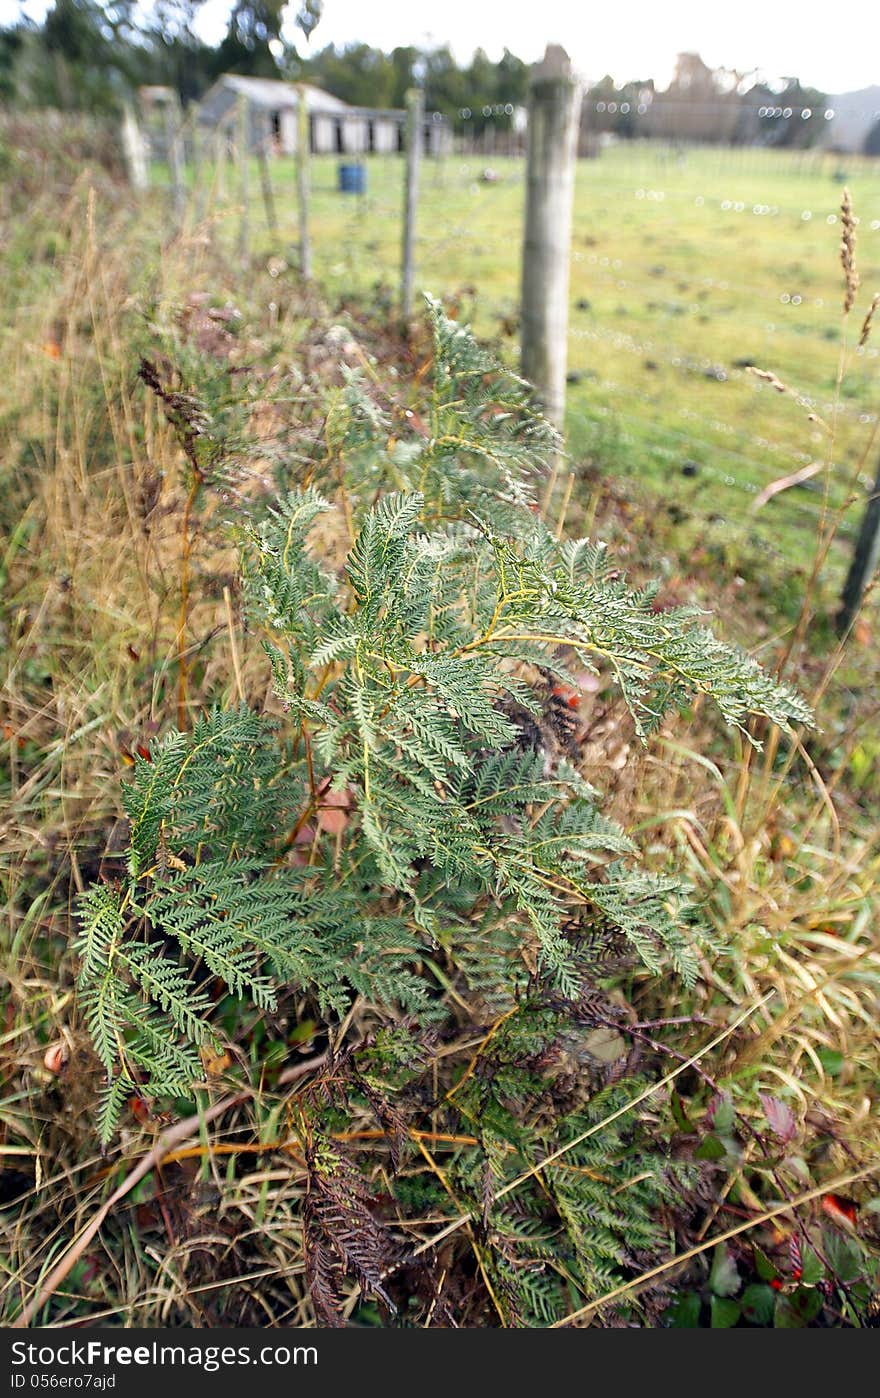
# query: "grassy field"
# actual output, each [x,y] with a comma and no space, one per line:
[686,267]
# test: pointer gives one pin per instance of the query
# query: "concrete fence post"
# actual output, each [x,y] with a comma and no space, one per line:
[135,151]
[243,152]
[196,160]
[263,148]
[554,112]
[176,157]
[220,144]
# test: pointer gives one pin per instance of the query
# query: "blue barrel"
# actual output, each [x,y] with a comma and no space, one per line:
[352,179]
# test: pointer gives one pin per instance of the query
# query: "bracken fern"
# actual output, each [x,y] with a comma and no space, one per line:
[415,682]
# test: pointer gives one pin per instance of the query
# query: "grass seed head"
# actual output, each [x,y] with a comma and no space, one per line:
[848,252]
[867,322]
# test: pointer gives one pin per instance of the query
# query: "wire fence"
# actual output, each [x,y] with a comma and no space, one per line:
[688,264]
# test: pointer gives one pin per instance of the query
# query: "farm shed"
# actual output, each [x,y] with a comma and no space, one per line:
[363,130]
[334,127]
[273,107]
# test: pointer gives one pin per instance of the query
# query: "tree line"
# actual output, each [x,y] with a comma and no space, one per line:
[90,55]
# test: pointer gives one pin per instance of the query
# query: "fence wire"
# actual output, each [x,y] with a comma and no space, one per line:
[688,263]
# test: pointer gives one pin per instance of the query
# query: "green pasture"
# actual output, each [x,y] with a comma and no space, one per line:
[686,266]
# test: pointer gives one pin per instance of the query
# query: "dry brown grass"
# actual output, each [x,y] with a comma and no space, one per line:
[91,608]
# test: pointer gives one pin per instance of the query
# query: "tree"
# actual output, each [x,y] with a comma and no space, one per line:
[254,31]
[783,124]
[11,41]
[512,80]
[178,58]
[607,107]
[357,73]
[700,104]
[84,57]
[309,17]
[444,83]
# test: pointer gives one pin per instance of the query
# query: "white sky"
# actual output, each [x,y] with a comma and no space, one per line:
[834,50]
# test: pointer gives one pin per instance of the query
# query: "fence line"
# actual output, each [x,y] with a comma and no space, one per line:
[246,135]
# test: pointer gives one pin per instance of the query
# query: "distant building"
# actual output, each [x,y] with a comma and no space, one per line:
[855,126]
[335,128]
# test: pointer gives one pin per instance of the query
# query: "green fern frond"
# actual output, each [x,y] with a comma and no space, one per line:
[416,675]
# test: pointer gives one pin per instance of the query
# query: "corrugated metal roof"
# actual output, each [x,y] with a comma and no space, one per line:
[275,94]
[272,94]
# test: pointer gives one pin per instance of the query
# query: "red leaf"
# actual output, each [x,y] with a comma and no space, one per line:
[568,696]
[780,1118]
[333,808]
[842,1211]
[140,1109]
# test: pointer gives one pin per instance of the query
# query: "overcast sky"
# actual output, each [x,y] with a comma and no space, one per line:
[835,50]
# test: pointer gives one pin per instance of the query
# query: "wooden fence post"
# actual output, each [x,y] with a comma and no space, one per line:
[175,155]
[439,153]
[415,136]
[219,145]
[265,177]
[197,163]
[866,556]
[243,153]
[302,184]
[554,110]
[135,151]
